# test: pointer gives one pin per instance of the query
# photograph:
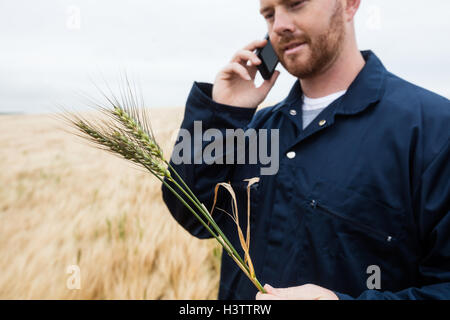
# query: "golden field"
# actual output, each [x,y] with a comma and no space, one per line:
[64,202]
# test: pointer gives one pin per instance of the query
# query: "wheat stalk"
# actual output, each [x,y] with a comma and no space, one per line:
[127,132]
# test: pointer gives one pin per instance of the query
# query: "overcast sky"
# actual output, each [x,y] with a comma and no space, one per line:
[51,48]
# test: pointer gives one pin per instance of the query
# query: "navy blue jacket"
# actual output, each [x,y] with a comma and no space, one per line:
[369,186]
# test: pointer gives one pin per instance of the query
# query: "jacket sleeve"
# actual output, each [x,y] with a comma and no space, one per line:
[201,114]
[433,205]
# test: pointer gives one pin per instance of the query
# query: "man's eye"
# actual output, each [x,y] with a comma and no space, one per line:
[268,16]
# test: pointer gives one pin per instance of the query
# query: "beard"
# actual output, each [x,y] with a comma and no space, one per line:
[324,49]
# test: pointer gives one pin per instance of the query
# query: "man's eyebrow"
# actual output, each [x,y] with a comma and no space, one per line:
[264,9]
[269,7]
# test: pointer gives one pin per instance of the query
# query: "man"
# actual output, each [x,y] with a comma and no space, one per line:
[359,208]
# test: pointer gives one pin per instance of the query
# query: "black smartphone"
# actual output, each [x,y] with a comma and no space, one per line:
[269,60]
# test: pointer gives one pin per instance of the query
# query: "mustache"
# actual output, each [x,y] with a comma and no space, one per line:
[287,40]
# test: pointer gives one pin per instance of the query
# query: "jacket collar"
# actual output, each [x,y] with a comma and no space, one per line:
[366,89]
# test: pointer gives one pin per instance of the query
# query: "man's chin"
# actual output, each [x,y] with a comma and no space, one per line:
[299,68]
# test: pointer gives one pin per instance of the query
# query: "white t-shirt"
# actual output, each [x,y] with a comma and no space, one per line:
[313,106]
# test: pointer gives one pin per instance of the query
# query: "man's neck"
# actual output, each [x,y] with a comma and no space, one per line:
[336,78]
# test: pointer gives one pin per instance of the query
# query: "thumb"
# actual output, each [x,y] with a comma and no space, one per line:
[270,289]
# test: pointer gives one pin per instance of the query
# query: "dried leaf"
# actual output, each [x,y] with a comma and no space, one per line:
[245,242]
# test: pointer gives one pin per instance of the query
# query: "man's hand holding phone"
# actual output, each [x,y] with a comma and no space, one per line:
[235,83]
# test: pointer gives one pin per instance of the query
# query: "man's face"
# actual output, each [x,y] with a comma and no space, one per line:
[307,35]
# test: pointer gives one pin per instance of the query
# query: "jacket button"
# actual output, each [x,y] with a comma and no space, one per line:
[313,203]
[293,112]
[322,122]
[291,155]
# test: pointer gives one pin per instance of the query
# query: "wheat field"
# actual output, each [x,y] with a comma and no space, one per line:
[65,203]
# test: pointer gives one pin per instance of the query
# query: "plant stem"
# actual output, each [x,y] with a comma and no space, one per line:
[199,205]
[184,183]
[258,285]
[189,207]
[211,220]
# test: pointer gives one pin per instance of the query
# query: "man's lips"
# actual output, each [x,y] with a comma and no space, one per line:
[293,47]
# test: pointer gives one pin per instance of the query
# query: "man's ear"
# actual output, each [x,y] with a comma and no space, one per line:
[350,9]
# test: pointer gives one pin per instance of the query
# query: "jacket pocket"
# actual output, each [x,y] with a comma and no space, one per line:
[377,233]
[363,213]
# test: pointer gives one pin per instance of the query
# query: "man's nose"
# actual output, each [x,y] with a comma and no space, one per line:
[283,23]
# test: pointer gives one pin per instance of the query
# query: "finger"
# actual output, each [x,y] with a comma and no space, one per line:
[242,56]
[252,70]
[236,68]
[255,45]
[265,296]
[267,85]
[270,289]
[286,294]
[295,293]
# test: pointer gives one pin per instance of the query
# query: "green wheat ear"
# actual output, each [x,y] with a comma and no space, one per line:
[127,132]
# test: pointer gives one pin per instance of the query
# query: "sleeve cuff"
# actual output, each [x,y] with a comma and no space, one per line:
[200,98]
[343,296]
